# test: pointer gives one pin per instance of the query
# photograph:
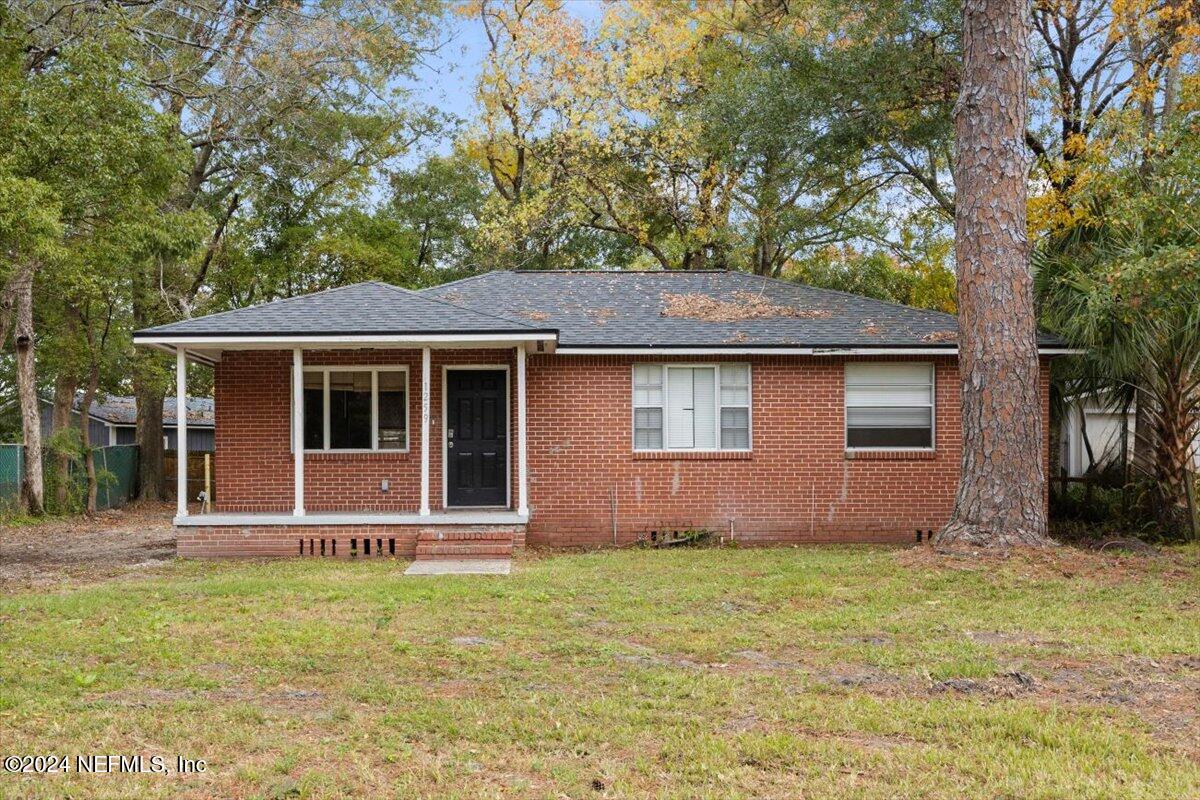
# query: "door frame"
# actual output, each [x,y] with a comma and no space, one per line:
[446,369]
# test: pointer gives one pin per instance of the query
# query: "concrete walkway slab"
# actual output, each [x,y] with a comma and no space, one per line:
[478,566]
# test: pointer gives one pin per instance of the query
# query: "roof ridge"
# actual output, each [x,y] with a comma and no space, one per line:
[439,301]
[783,281]
[612,272]
[457,281]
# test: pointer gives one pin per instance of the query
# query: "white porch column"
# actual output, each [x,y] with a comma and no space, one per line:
[181,493]
[522,473]
[298,428]
[425,431]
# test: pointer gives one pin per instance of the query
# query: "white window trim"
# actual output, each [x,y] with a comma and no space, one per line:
[932,411]
[716,366]
[374,369]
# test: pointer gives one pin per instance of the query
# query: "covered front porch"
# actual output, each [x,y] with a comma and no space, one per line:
[364,419]
[357,415]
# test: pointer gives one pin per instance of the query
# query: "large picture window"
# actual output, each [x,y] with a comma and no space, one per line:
[889,406]
[355,408]
[691,407]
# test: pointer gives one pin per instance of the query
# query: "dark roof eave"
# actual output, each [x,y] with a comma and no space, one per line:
[758,346]
[155,333]
[949,347]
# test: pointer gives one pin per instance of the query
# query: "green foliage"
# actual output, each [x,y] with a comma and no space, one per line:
[1125,284]
[439,203]
[878,275]
[65,454]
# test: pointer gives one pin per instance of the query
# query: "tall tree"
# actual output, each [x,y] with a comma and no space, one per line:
[253,87]
[1001,497]
[76,123]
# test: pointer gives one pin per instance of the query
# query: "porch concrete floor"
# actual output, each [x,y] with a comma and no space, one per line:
[453,516]
[489,566]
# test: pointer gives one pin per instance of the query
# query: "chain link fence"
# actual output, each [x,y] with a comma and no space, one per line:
[116,474]
[12,467]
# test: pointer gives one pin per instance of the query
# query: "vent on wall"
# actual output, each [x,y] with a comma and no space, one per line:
[373,547]
[318,547]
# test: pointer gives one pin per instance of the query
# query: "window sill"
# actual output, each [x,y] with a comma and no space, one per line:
[354,455]
[693,455]
[891,455]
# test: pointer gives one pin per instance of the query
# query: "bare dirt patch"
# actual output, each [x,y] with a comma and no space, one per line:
[1106,567]
[743,306]
[135,537]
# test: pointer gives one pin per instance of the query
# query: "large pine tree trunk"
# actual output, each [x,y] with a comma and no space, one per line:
[1001,499]
[32,489]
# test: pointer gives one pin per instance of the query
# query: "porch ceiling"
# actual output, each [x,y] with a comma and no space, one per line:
[209,351]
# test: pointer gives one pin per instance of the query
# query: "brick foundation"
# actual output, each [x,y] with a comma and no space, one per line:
[341,541]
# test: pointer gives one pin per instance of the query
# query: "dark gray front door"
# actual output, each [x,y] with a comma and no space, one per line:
[476,441]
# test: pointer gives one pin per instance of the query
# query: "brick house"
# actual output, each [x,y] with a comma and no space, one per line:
[573,409]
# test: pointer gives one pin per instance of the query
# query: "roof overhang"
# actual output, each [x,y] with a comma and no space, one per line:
[785,351]
[208,348]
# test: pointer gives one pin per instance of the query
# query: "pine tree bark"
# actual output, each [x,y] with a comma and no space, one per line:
[1001,492]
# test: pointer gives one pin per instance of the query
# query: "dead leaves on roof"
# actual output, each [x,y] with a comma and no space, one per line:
[743,306]
[941,336]
[536,316]
[599,316]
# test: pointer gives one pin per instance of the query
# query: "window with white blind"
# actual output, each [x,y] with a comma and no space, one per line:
[691,407]
[889,406]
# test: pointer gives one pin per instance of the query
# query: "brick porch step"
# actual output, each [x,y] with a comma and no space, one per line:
[460,535]
[456,551]
[453,544]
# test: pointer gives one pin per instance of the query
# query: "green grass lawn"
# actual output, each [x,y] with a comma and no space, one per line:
[831,672]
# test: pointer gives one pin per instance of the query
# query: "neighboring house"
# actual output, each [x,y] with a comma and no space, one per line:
[1104,427]
[576,409]
[113,420]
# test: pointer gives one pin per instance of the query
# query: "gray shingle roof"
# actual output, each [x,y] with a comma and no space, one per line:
[627,309]
[599,309]
[122,410]
[362,308]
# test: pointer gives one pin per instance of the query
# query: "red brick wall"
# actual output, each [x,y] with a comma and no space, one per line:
[798,483]
[254,464]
